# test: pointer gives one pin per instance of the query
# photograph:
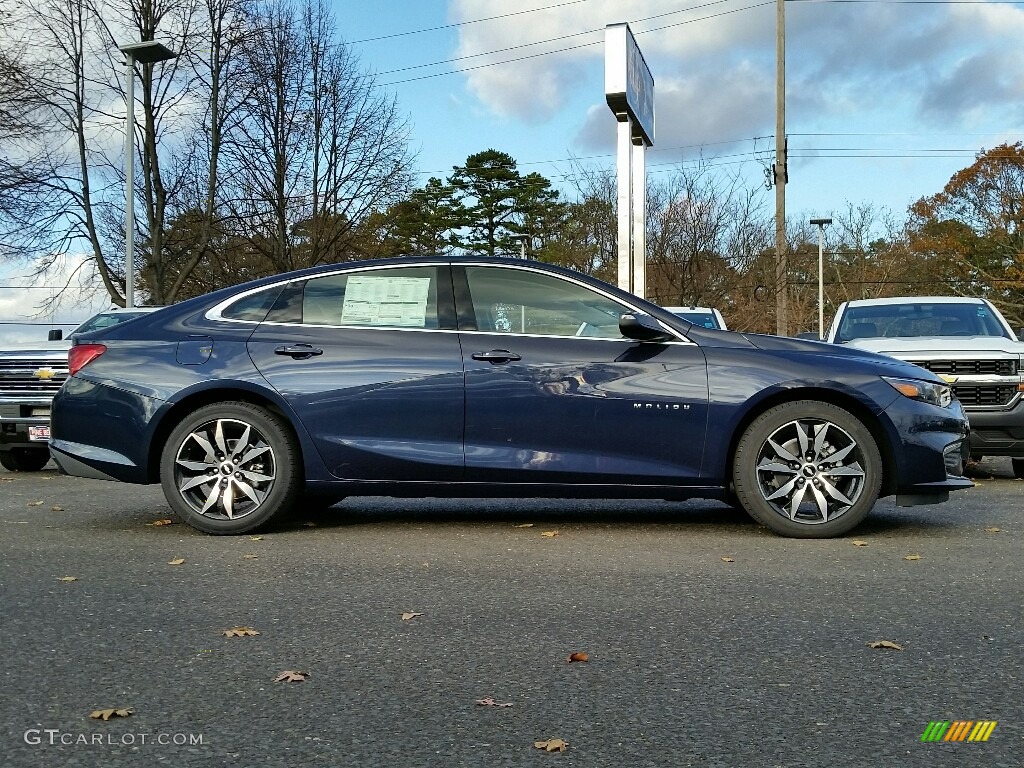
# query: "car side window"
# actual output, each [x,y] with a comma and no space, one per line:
[524,302]
[404,297]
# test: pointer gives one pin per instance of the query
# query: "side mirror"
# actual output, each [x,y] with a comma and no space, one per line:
[55,334]
[642,328]
[1020,334]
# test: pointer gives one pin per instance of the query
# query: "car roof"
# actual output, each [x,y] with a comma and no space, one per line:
[690,309]
[916,300]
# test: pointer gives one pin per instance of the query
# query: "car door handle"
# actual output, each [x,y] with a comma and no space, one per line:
[497,356]
[299,351]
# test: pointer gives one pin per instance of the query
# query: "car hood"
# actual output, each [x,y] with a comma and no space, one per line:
[944,345]
[891,365]
[37,348]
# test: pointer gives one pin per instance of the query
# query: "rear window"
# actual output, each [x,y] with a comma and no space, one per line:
[915,320]
[253,307]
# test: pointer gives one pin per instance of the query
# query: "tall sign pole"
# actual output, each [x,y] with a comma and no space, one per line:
[781,175]
[629,91]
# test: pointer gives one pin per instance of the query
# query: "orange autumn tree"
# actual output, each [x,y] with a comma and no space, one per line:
[969,238]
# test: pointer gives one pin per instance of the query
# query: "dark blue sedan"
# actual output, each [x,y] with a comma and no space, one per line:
[492,377]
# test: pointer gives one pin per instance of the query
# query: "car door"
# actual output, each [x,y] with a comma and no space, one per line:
[370,362]
[554,393]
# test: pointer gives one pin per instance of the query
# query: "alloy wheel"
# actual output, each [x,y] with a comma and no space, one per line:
[810,471]
[225,469]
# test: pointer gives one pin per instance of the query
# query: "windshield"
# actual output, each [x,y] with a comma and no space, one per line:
[704,319]
[105,320]
[910,320]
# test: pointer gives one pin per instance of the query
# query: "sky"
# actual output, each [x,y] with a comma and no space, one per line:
[885,100]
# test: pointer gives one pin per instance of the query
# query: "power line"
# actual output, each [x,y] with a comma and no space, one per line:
[464,23]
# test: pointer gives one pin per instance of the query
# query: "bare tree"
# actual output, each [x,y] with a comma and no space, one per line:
[318,147]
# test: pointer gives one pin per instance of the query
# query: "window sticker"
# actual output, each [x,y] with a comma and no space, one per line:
[382,300]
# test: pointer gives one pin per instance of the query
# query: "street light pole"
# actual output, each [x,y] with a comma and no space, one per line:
[821,274]
[145,52]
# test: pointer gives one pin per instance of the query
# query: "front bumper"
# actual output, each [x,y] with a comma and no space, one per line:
[998,432]
[27,433]
[932,451]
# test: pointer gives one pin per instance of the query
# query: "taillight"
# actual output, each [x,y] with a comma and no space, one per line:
[81,355]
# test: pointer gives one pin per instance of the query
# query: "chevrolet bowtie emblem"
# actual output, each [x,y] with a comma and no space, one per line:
[44,373]
[948,379]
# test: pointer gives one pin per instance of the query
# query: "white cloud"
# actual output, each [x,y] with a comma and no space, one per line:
[25,311]
[910,67]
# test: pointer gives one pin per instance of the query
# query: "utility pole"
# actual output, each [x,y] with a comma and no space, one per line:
[781,175]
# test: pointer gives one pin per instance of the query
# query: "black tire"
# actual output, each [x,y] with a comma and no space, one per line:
[785,453]
[25,459]
[230,468]
[1018,468]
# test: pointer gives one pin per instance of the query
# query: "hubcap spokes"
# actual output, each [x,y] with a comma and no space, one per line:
[810,471]
[225,469]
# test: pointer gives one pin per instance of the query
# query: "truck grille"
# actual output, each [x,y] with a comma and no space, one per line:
[971,367]
[18,377]
[985,394]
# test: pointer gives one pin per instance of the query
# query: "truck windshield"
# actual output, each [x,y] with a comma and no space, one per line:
[910,320]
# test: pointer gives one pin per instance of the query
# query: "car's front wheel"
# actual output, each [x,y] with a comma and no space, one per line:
[24,459]
[229,468]
[807,469]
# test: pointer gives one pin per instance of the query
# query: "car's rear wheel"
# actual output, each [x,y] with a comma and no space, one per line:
[807,469]
[230,468]
[1018,468]
[24,459]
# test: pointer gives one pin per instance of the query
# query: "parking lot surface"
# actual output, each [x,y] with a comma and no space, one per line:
[710,641]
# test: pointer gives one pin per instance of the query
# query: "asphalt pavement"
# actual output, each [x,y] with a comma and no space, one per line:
[710,641]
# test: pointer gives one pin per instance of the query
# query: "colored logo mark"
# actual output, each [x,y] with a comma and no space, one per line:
[958,730]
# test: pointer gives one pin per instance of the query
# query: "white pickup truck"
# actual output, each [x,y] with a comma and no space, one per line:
[965,341]
[30,375]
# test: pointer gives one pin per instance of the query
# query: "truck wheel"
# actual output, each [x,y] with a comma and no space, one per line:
[807,469]
[25,459]
[1018,468]
[229,468]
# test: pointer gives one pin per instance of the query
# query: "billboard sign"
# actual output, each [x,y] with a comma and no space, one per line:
[628,84]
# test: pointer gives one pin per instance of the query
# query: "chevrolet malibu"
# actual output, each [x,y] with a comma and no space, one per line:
[492,377]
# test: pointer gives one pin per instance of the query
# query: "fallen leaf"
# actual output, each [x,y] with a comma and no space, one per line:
[55,508]
[239,632]
[993,529]
[34,503]
[68,578]
[549,534]
[728,560]
[291,676]
[578,656]
[859,543]
[885,644]
[524,525]
[176,561]
[552,745]
[489,702]
[6,479]
[310,524]
[106,714]
[255,538]
[250,557]
[410,615]
[912,557]
[165,521]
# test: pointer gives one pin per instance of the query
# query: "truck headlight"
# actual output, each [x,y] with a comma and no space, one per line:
[925,391]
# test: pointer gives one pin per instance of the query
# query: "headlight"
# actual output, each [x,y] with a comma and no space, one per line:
[925,391]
